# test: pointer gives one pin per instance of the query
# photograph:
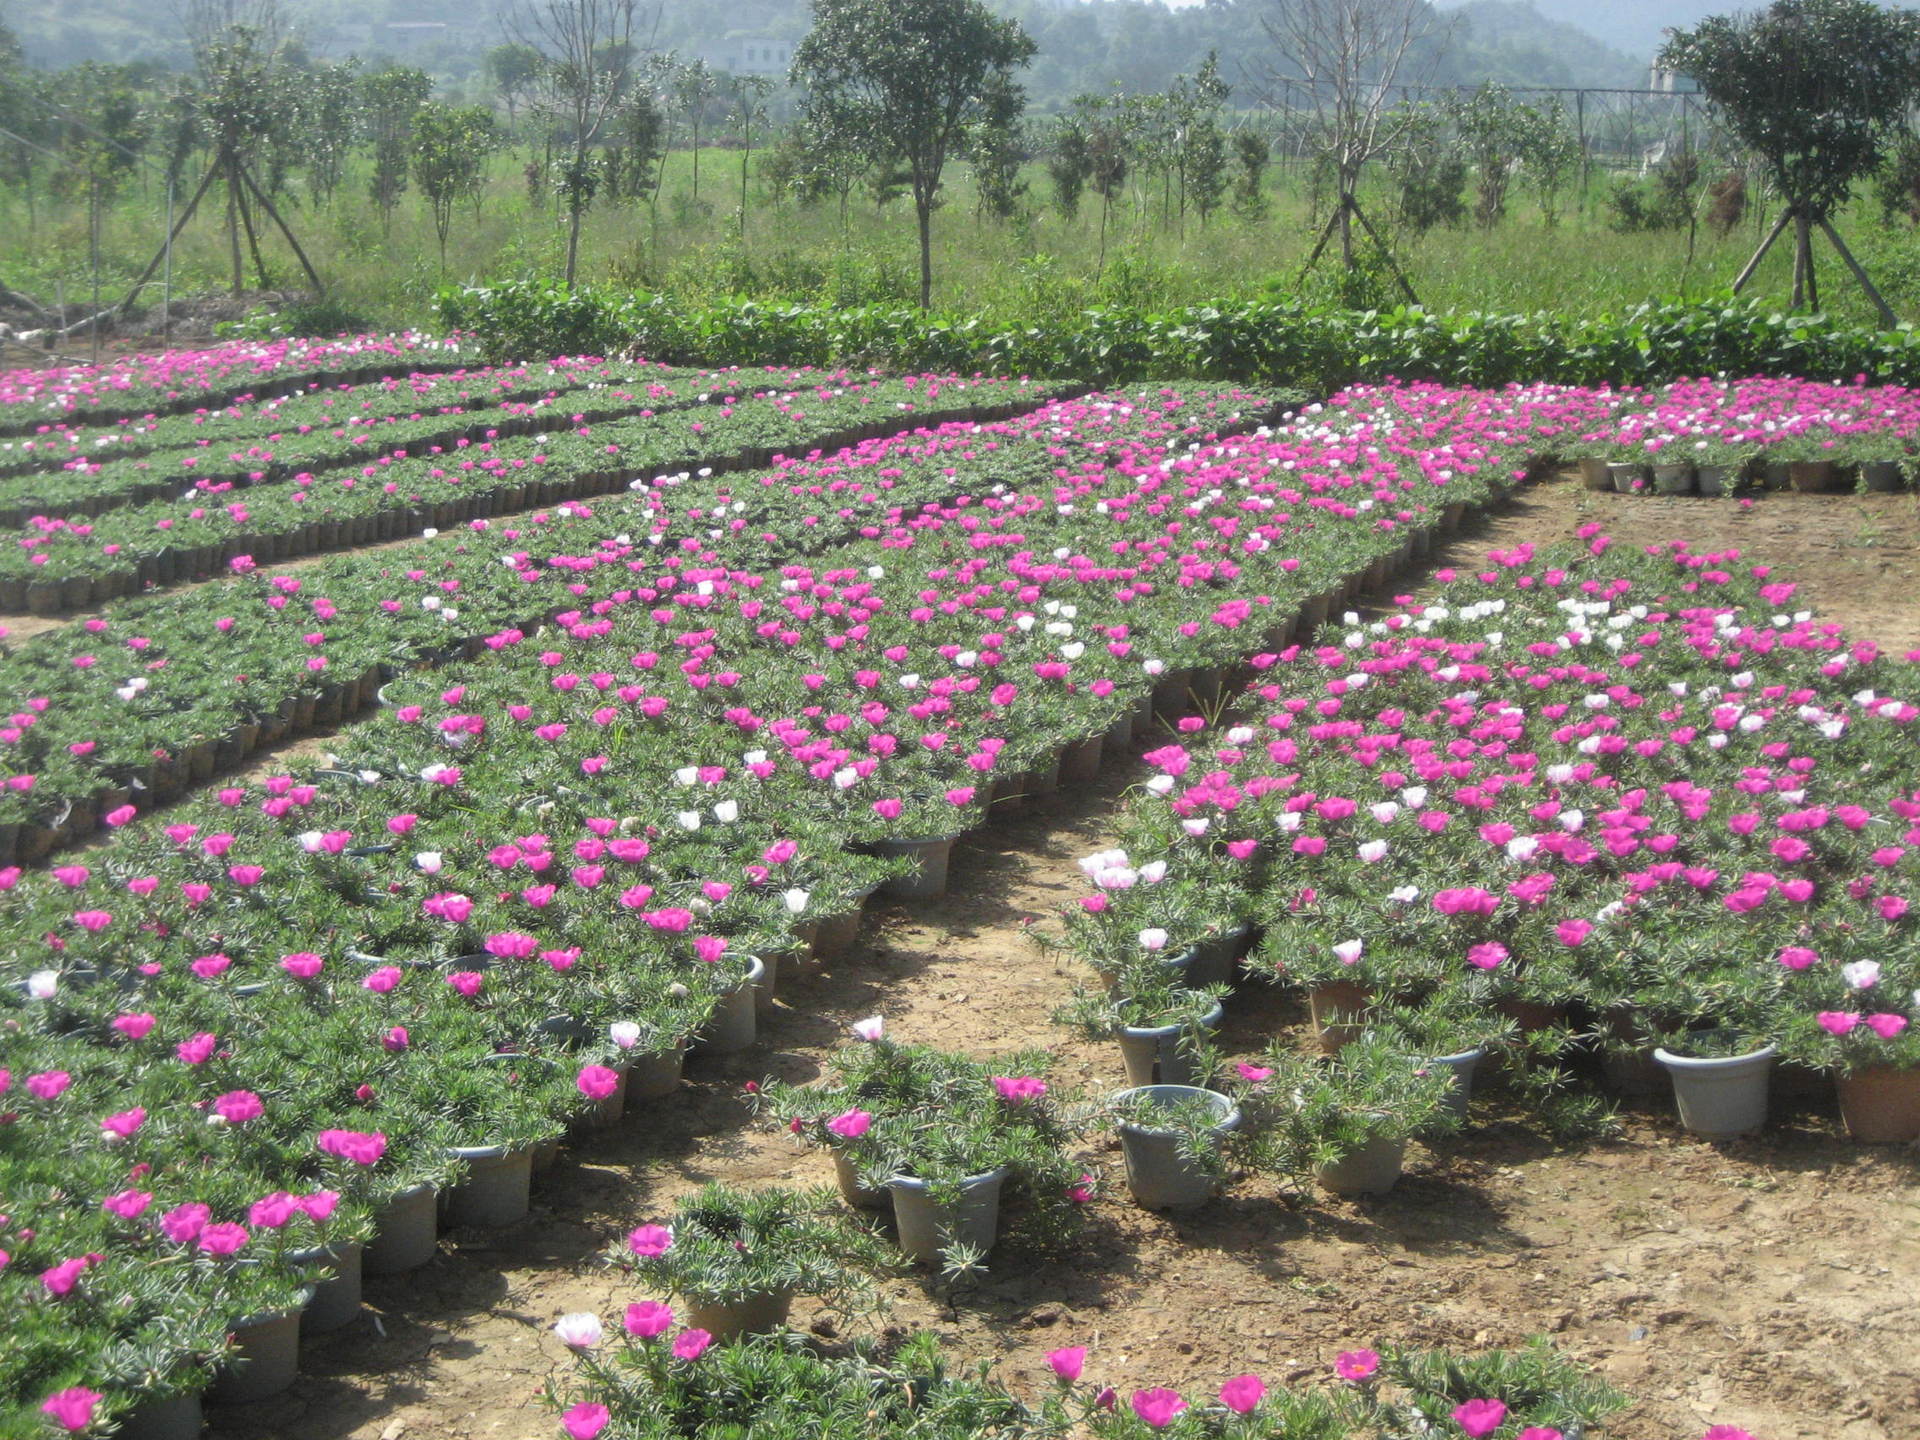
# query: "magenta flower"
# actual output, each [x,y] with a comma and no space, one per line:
[1539,1432]
[1726,1432]
[1157,1406]
[1018,1089]
[585,1420]
[1068,1362]
[1798,957]
[1886,1025]
[127,1204]
[648,1319]
[650,1240]
[691,1344]
[1242,1393]
[1480,1417]
[1487,956]
[48,1084]
[396,1039]
[851,1125]
[134,1027]
[183,1223]
[302,964]
[597,1082]
[381,979]
[122,1126]
[224,1239]
[198,1050]
[60,1280]
[236,1107]
[1837,1022]
[1356,1364]
[353,1145]
[71,1409]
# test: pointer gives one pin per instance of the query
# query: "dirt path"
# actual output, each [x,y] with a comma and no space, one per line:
[1766,1282]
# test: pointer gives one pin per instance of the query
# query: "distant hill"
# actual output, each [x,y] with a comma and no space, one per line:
[1631,26]
[1514,42]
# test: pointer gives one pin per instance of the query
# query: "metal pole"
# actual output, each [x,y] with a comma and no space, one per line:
[166,285]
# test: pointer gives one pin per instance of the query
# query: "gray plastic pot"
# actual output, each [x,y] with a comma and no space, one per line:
[406,1235]
[755,1315]
[1628,476]
[1720,1097]
[835,935]
[1153,1054]
[1673,479]
[735,1025]
[1715,479]
[929,882]
[1158,1176]
[336,1296]
[1459,1068]
[926,1229]
[1118,737]
[763,986]
[861,1197]
[1373,1169]
[266,1357]
[656,1076]
[498,1188]
[1080,761]
[165,1417]
[1215,957]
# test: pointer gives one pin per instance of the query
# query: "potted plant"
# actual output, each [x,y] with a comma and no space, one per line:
[1873,1054]
[1720,1077]
[1172,1139]
[736,1258]
[1161,1027]
[1343,1121]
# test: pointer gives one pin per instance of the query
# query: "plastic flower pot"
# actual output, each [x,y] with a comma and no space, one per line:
[929,882]
[1593,474]
[1142,716]
[336,1296]
[1118,737]
[1044,777]
[730,1319]
[1715,479]
[1459,1068]
[1170,695]
[1215,957]
[1673,479]
[862,1197]
[1813,477]
[406,1233]
[1158,1176]
[1337,1009]
[1883,476]
[764,983]
[498,1187]
[656,1076]
[266,1356]
[835,935]
[546,1155]
[1627,477]
[1633,1072]
[1154,1055]
[926,1228]
[735,1025]
[165,1417]
[1881,1104]
[1373,1169]
[1723,1096]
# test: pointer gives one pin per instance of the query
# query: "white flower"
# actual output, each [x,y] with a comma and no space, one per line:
[43,984]
[1287,821]
[1522,848]
[1154,667]
[869,1029]
[1196,828]
[624,1034]
[1153,939]
[1240,735]
[1570,820]
[1373,851]
[578,1331]
[310,841]
[686,775]
[1404,894]
[1348,952]
[688,819]
[795,900]
[1154,871]
[1161,784]
[1861,974]
[846,777]
[727,811]
[1385,811]
[428,862]
[1415,796]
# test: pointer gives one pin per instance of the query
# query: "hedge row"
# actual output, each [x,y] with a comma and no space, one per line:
[1248,341]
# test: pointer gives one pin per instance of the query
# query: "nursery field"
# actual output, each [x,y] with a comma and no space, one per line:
[728,773]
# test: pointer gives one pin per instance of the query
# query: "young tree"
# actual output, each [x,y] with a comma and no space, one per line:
[1336,65]
[327,114]
[693,87]
[1252,152]
[905,77]
[1817,90]
[450,149]
[996,146]
[749,107]
[1492,128]
[1070,166]
[586,57]
[514,69]
[390,100]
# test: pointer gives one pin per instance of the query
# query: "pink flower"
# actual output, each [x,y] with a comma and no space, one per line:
[1253,1074]
[122,1126]
[1572,933]
[71,1409]
[869,1029]
[396,1040]
[1727,1432]
[1157,1406]
[650,1240]
[1067,1363]
[1242,1393]
[236,1107]
[183,1223]
[1539,1432]
[585,1420]
[691,1344]
[223,1239]
[597,1082]
[1886,1025]
[1356,1364]
[1837,1022]
[851,1125]
[128,1204]
[197,1050]
[48,1084]
[302,964]
[1480,1417]
[648,1319]
[1797,957]
[1017,1090]
[353,1145]
[60,1280]
[467,982]
[1487,956]
[381,980]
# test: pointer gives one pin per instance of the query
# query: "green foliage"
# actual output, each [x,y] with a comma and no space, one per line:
[450,149]
[1815,88]
[390,100]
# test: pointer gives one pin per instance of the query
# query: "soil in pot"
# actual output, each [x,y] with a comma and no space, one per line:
[406,1234]
[1881,1105]
[1158,1175]
[926,1228]
[1720,1096]
[1373,1169]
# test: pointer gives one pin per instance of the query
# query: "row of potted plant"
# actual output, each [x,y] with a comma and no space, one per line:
[1663,803]
[176,380]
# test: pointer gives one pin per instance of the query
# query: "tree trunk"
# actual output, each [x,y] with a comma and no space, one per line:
[233,226]
[1802,257]
[923,211]
[573,237]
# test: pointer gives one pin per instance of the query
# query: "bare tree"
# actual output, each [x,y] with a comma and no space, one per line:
[587,49]
[1336,70]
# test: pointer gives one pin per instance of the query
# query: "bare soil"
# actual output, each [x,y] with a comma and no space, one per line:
[1766,1282]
